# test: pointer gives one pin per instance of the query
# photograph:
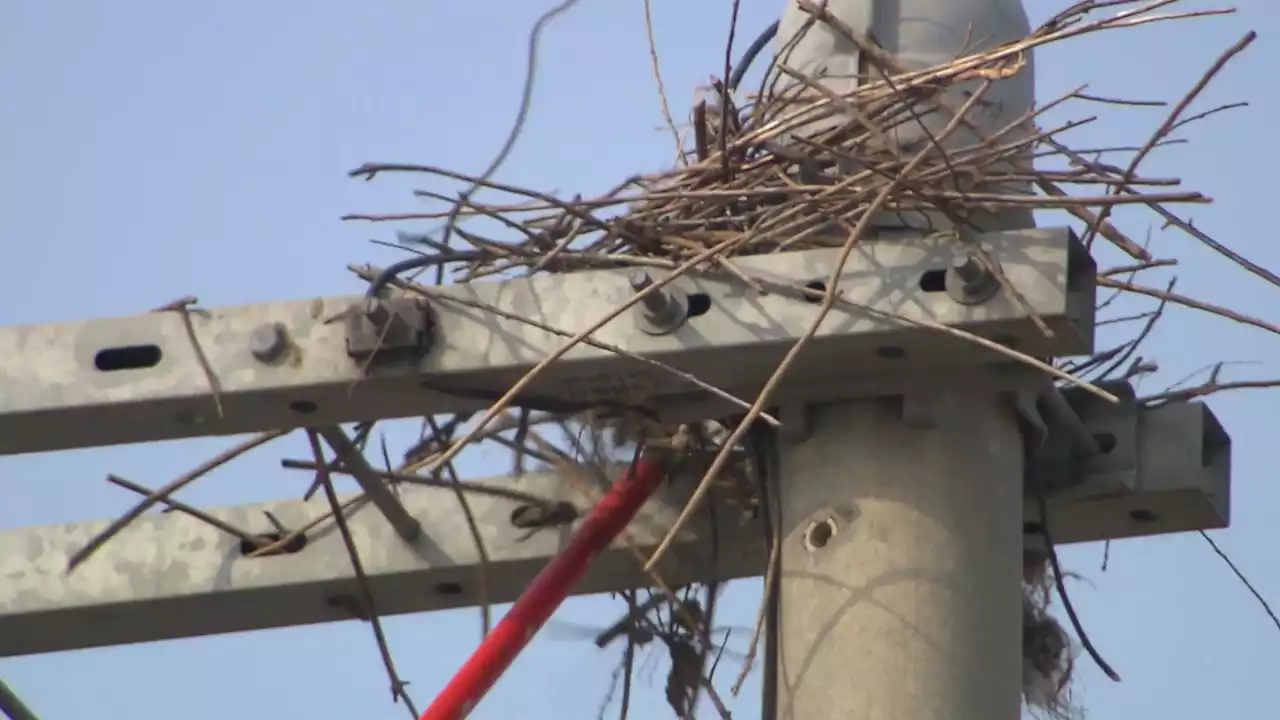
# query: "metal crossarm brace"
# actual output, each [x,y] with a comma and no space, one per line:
[289,364]
[1162,469]
[379,493]
[1112,470]
[171,576]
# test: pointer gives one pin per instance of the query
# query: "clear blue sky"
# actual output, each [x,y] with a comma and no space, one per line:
[158,149]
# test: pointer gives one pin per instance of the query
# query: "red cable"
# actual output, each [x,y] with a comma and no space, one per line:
[547,591]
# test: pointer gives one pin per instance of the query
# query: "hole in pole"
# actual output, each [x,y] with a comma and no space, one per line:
[819,534]
[816,286]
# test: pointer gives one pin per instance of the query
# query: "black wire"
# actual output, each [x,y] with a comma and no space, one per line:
[395,270]
[748,57]
[762,444]
[1041,495]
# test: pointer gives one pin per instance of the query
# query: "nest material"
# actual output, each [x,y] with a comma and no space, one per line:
[1047,654]
[753,185]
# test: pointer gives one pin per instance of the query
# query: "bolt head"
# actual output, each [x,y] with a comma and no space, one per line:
[639,280]
[268,341]
[968,268]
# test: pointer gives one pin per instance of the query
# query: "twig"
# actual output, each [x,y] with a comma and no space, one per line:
[186,509]
[398,691]
[349,506]
[1207,389]
[1171,121]
[470,486]
[182,306]
[460,493]
[657,77]
[164,492]
[537,370]
[1190,303]
[598,344]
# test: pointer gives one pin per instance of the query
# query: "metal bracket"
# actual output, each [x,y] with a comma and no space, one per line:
[970,283]
[138,379]
[1160,470]
[389,325]
[1061,468]
[173,576]
[169,575]
[379,494]
[661,311]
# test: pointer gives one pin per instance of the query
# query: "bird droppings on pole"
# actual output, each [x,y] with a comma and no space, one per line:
[832,335]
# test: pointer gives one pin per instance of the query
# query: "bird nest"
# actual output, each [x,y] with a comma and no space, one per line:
[810,167]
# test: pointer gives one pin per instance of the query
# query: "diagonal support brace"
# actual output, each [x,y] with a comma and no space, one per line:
[379,494]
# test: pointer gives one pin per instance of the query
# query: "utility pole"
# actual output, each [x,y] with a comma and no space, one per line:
[901,563]
[909,440]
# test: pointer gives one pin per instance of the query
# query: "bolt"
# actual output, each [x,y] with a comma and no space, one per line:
[268,341]
[639,280]
[655,303]
[968,269]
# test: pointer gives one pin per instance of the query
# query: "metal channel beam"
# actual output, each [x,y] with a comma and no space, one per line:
[172,576]
[1166,469]
[58,388]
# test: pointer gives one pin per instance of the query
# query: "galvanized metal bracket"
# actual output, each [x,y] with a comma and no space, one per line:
[172,576]
[138,379]
[389,326]
[169,576]
[1160,470]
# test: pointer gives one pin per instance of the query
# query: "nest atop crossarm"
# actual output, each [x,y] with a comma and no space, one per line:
[752,183]
[795,165]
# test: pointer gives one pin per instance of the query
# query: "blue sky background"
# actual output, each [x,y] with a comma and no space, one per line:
[158,149]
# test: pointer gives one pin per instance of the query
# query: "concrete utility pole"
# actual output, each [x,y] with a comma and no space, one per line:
[901,567]
[901,466]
